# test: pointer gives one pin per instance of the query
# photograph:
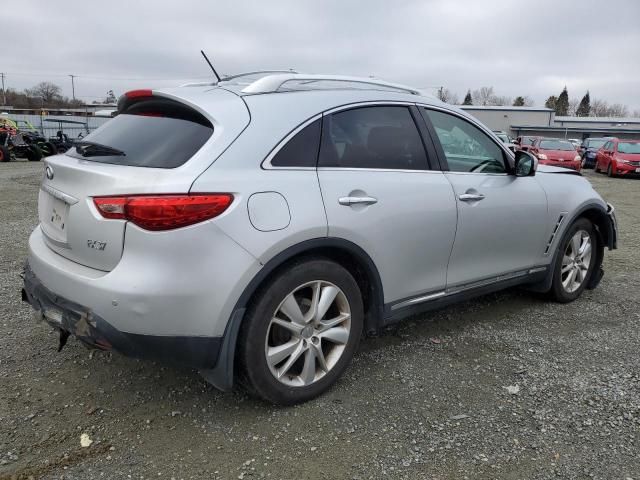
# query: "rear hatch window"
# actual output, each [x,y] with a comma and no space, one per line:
[152,132]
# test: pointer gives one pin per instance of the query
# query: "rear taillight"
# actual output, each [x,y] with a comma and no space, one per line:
[138,93]
[164,212]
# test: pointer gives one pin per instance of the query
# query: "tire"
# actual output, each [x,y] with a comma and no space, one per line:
[610,171]
[567,290]
[48,149]
[34,154]
[5,154]
[260,334]
[596,167]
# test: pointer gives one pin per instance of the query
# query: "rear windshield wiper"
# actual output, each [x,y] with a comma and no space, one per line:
[93,149]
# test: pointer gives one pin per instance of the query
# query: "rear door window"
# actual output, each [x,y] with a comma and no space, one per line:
[154,133]
[384,137]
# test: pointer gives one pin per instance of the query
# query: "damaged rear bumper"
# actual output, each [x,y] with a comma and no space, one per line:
[71,318]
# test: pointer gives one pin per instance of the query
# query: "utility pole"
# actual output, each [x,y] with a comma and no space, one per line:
[4,97]
[73,87]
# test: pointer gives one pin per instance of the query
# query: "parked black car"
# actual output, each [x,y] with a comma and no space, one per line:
[588,150]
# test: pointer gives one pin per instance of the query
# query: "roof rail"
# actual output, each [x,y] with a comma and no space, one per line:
[276,82]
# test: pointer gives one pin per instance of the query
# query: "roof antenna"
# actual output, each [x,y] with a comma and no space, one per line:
[212,69]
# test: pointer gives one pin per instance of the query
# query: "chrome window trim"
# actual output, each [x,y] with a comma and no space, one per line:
[58,194]
[478,125]
[422,298]
[266,163]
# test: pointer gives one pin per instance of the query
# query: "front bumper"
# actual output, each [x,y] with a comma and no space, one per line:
[71,318]
[573,165]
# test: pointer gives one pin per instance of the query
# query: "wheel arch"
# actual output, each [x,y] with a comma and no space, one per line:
[346,253]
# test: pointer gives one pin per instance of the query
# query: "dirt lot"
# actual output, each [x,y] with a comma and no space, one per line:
[427,400]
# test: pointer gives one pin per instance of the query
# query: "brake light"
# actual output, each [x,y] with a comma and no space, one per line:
[139,93]
[164,212]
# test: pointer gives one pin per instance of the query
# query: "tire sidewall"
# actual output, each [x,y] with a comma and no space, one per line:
[255,328]
[558,290]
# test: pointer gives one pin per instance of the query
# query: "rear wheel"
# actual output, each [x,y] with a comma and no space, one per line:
[34,154]
[301,332]
[575,261]
[48,149]
[5,154]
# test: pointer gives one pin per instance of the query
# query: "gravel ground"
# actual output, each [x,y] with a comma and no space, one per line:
[428,399]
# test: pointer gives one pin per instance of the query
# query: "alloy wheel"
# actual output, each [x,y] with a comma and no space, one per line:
[308,333]
[576,261]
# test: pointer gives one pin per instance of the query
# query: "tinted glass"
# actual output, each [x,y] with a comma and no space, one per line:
[628,147]
[372,137]
[301,150]
[595,143]
[151,133]
[467,148]
[556,145]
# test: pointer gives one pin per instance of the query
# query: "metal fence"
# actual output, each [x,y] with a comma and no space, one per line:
[49,125]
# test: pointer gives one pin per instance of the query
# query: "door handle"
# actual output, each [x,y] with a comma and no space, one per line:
[357,201]
[471,197]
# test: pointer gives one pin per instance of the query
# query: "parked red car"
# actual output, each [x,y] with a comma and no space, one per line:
[619,157]
[525,142]
[559,153]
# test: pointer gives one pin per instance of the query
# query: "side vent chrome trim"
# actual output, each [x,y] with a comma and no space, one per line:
[555,231]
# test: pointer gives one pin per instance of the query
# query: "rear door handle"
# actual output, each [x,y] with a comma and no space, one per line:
[471,197]
[357,200]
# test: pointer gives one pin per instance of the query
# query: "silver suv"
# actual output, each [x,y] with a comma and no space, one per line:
[256,228]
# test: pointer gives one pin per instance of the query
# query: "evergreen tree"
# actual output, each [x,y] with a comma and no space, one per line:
[551,102]
[467,98]
[519,101]
[584,109]
[562,104]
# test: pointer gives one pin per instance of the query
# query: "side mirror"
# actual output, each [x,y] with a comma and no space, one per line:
[525,165]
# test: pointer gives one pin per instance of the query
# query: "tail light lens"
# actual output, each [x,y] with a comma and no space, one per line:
[164,212]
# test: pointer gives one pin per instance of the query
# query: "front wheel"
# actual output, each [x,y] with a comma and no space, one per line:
[301,332]
[610,171]
[596,167]
[575,261]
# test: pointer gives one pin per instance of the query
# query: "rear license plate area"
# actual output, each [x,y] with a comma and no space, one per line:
[54,215]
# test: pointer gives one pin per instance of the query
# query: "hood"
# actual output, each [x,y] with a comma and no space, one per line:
[551,169]
[560,154]
[632,157]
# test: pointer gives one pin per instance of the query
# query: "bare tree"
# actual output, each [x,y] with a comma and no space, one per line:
[600,108]
[447,96]
[618,110]
[496,100]
[49,92]
[573,107]
[482,96]
[636,114]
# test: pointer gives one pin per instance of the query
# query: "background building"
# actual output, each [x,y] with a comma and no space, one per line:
[518,121]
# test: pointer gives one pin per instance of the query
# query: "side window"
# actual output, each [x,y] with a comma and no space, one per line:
[302,149]
[466,147]
[607,146]
[372,137]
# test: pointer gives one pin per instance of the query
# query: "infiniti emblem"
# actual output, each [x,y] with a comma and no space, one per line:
[49,172]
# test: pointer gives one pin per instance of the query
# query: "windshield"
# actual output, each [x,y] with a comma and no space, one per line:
[628,147]
[595,143]
[528,140]
[556,145]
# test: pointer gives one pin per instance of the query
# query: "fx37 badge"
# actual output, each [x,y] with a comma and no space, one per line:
[96,245]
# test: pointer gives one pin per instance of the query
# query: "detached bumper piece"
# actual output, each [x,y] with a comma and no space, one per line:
[613,225]
[70,318]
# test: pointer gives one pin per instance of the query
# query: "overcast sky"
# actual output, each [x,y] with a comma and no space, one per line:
[529,48]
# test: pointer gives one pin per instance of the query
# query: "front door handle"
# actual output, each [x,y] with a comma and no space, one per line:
[347,201]
[471,197]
